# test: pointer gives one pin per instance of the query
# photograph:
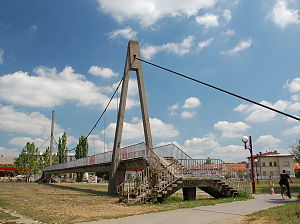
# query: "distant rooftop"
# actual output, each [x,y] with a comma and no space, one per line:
[269,154]
[7,160]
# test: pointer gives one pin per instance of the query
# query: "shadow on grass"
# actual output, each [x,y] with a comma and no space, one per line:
[89,191]
[280,201]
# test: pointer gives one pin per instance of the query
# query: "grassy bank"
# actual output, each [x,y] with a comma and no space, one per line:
[78,202]
[263,186]
[5,217]
[286,214]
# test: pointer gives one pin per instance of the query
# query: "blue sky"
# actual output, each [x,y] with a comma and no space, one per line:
[68,56]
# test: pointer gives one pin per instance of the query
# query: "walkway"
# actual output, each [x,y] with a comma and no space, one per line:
[222,213]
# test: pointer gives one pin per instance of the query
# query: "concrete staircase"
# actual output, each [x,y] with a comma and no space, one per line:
[166,175]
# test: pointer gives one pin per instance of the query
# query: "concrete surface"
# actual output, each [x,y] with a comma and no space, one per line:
[220,213]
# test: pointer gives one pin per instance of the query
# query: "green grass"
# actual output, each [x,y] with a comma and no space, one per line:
[175,201]
[285,214]
[263,186]
[6,217]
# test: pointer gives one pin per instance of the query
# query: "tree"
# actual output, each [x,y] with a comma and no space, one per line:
[62,151]
[208,161]
[81,152]
[29,161]
[46,158]
[295,150]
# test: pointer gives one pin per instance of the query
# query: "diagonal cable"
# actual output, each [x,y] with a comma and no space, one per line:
[44,142]
[219,89]
[95,125]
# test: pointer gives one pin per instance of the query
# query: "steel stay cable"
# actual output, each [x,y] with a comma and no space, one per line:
[44,142]
[102,112]
[222,90]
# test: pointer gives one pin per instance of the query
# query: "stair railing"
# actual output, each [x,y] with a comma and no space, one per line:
[214,169]
[140,189]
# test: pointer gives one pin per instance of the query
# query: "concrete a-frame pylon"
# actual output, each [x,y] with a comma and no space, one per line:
[117,174]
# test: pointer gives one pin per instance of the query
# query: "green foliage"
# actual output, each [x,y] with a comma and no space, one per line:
[62,150]
[295,150]
[46,158]
[81,152]
[103,175]
[82,148]
[29,161]
[208,161]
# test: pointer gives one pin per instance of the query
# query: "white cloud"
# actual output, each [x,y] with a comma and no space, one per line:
[295,97]
[205,43]
[127,33]
[267,140]
[241,46]
[231,129]
[33,123]
[208,20]
[227,15]
[230,153]
[174,107]
[191,102]
[200,144]
[33,28]
[229,32]
[148,12]
[292,131]
[188,114]
[176,48]
[96,145]
[7,152]
[259,114]
[134,130]
[21,141]
[51,88]
[102,72]
[282,16]
[1,56]
[293,86]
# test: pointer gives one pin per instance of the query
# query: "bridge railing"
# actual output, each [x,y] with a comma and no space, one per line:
[105,157]
[129,152]
[170,150]
[134,151]
[212,169]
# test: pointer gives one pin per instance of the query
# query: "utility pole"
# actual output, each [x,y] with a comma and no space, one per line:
[52,137]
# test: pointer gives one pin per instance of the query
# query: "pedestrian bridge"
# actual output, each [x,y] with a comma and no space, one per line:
[161,171]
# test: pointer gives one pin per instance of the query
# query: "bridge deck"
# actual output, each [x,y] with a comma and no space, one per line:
[131,157]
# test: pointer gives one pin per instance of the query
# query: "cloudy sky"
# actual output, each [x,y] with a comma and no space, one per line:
[68,56]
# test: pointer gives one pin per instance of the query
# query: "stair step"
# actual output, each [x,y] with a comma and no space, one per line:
[179,182]
[169,188]
[165,192]
[174,185]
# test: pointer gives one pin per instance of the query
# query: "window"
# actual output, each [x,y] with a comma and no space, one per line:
[270,163]
[275,163]
[264,173]
[271,173]
[263,164]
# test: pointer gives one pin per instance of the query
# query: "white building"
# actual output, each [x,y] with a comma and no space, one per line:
[271,164]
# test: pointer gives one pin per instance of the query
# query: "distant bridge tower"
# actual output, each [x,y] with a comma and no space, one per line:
[117,174]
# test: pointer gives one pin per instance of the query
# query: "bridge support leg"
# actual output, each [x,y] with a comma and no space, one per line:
[189,193]
[117,179]
[131,64]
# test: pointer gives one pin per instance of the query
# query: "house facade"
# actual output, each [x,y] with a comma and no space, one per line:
[271,164]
